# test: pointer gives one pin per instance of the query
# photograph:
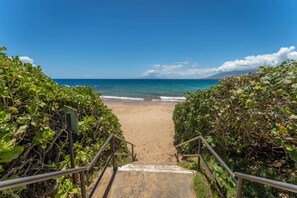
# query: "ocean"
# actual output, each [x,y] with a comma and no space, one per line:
[141,89]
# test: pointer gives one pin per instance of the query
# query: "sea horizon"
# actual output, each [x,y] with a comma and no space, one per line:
[155,90]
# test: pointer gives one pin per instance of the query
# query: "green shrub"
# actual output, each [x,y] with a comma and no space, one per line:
[250,120]
[33,138]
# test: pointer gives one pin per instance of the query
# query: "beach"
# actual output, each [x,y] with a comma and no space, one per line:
[150,127]
[144,108]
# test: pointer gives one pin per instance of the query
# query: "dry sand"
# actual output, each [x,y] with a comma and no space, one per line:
[151,128]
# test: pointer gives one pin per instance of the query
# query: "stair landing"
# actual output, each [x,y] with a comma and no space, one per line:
[135,180]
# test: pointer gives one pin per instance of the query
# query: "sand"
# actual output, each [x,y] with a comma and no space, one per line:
[151,128]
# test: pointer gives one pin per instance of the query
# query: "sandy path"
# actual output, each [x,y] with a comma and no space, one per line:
[151,128]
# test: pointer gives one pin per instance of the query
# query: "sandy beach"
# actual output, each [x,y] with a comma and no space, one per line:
[150,127]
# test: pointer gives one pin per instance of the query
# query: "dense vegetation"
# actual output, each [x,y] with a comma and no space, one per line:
[251,121]
[33,138]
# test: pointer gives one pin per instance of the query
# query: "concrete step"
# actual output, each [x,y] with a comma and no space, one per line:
[135,180]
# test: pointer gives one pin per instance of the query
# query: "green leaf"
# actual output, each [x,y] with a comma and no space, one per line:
[8,155]
[13,109]
[64,195]
[6,143]
[279,141]
[293,116]
[293,155]
[4,117]
[44,137]
[287,111]
[289,147]
[282,130]
[22,129]
[209,139]
[274,131]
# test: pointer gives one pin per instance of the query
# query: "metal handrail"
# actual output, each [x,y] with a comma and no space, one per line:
[95,159]
[261,180]
[119,138]
[200,138]
[81,170]
[188,141]
[237,177]
[101,175]
[37,178]
[218,158]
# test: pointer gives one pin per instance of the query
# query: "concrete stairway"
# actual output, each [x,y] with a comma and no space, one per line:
[135,180]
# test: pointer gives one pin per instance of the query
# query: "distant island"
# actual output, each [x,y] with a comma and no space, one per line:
[224,75]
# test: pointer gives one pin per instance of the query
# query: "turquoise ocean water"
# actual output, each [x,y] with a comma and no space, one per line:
[141,89]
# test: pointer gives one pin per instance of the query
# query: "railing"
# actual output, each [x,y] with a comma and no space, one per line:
[83,171]
[237,177]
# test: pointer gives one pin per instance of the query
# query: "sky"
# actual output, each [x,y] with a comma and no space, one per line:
[148,38]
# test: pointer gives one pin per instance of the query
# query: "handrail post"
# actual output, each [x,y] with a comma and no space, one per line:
[177,153]
[113,153]
[82,184]
[199,151]
[239,187]
[70,140]
[132,152]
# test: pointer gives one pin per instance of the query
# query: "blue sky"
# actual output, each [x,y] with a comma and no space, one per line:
[148,38]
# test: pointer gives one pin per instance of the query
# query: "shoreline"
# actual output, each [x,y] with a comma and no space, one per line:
[116,102]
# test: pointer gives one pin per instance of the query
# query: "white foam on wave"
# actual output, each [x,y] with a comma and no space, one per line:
[120,98]
[169,99]
[172,98]
[74,86]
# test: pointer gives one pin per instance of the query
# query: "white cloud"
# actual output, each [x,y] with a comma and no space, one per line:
[188,69]
[253,62]
[26,59]
[183,69]
[293,55]
[149,72]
